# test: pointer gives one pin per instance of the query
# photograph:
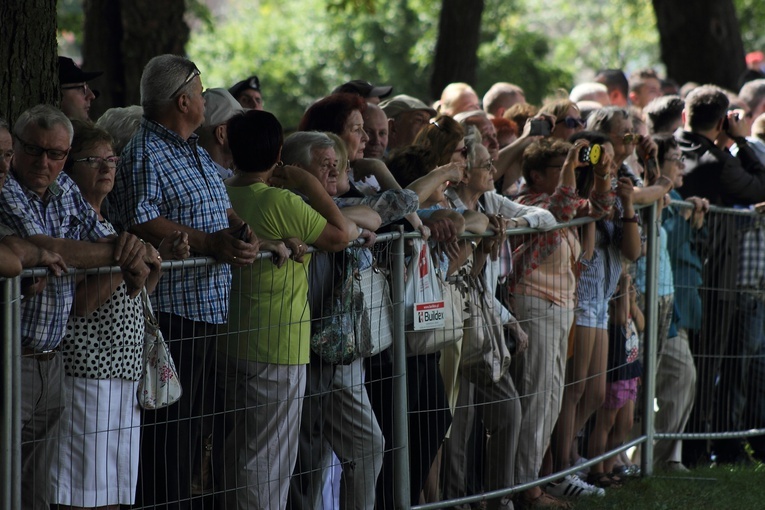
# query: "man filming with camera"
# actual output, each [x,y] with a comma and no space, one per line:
[712,172]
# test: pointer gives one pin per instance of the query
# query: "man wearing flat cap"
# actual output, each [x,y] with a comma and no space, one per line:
[406,116]
[248,93]
[75,93]
[366,90]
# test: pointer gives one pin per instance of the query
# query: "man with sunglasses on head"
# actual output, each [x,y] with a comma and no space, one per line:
[44,206]
[165,182]
[76,95]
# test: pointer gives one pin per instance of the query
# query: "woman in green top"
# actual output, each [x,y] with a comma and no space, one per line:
[265,346]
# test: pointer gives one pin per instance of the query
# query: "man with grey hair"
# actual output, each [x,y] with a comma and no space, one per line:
[753,94]
[167,183]
[501,96]
[376,126]
[42,204]
[407,115]
[220,106]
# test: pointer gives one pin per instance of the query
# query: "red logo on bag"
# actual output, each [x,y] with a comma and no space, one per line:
[423,263]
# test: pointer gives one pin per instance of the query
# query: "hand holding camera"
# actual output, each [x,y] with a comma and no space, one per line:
[734,124]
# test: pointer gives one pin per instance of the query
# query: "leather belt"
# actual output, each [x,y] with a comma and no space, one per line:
[39,355]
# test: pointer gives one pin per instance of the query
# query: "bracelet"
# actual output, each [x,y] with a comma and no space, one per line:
[634,219]
[604,177]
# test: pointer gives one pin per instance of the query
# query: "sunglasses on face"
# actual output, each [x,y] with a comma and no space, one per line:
[463,151]
[192,74]
[571,122]
[629,138]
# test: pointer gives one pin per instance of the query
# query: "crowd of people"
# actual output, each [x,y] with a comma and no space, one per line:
[265,408]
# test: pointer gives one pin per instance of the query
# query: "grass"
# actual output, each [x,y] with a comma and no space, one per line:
[719,488]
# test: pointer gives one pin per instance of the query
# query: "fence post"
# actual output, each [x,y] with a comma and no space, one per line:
[10,423]
[650,337]
[401,490]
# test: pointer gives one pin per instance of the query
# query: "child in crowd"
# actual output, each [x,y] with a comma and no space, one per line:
[613,421]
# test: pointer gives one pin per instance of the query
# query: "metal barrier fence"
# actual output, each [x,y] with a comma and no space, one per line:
[392,429]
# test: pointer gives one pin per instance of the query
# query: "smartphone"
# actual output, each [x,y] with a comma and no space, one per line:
[241,233]
[540,127]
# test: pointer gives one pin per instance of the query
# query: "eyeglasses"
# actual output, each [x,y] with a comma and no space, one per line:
[487,165]
[629,138]
[679,159]
[463,151]
[96,162]
[571,122]
[6,155]
[82,88]
[37,151]
[193,74]
[435,123]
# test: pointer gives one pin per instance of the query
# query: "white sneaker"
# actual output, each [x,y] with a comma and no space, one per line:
[573,487]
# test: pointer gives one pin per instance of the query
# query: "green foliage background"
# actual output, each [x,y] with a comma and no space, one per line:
[302,49]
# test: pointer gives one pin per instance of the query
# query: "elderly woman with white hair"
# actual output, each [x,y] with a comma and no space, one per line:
[498,404]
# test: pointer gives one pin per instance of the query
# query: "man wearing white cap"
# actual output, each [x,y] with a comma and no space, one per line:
[406,116]
[220,106]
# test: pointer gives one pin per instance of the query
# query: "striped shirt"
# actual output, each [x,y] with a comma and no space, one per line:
[161,174]
[64,214]
[600,275]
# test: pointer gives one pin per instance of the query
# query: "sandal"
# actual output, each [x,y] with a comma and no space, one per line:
[604,480]
[545,500]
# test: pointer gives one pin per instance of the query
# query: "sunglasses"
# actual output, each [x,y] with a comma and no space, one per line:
[571,122]
[37,151]
[192,74]
[629,138]
[463,151]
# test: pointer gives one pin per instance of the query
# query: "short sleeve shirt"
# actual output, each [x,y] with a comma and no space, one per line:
[161,174]
[63,214]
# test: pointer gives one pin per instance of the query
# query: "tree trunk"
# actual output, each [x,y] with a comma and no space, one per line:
[122,36]
[459,31]
[27,56]
[701,41]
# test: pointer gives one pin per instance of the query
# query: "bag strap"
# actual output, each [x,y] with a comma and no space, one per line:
[148,312]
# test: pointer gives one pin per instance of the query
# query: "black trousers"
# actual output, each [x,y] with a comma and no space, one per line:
[172,438]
